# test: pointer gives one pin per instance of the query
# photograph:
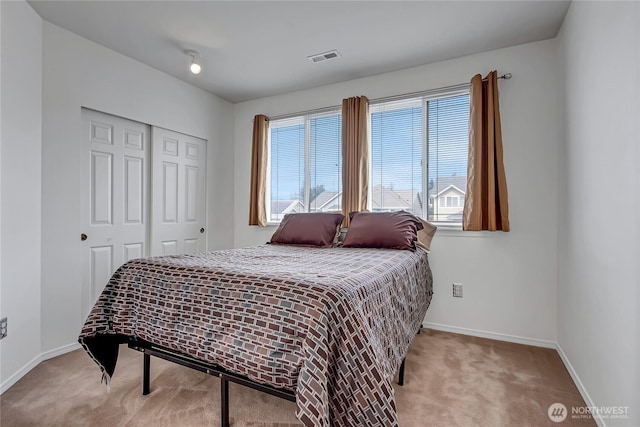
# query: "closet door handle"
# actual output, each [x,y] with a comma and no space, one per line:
[83,237]
[202,231]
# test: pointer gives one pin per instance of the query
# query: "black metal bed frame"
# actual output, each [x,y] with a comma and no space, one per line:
[148,349]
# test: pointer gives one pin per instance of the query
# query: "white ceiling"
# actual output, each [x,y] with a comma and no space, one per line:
[253,49]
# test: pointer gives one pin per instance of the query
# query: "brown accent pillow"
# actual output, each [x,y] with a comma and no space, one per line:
[308,229]
[425,235]
[391,230]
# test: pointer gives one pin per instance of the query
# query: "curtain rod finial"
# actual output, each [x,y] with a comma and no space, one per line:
[507,76]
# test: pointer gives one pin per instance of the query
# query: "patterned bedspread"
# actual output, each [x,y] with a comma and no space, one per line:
[332,325]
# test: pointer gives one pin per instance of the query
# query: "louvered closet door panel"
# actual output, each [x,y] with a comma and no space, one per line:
[178,193]
[114,198]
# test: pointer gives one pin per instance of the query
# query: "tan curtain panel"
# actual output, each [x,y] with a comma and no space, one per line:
[355,155]
[486,206]
[257,208]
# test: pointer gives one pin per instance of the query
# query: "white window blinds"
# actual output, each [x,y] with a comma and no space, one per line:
[305,165]
[419,149]
[448,151]
[396,156]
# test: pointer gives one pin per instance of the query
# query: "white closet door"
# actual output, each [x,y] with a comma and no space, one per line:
[178,193]
[114,198]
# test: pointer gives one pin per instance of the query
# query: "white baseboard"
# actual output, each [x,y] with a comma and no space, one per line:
[576,380]
[6,385]
[491,335]
[60,350]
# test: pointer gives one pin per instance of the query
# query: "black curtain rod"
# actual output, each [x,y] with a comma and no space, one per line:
[505,76]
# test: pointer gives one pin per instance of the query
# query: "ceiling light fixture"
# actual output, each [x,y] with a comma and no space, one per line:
[195,66]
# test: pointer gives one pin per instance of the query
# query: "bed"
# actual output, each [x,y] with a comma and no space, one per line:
[326,327]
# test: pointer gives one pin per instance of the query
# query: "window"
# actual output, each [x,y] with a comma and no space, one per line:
[419,150]
[305,165]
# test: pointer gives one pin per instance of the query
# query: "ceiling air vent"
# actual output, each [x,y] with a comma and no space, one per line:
[324,56]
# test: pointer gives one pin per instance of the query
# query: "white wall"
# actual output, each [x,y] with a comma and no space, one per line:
[509,278]
[21,105]
[79,73]
[598,296]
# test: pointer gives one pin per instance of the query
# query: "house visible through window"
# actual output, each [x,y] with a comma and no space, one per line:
[305,165]
[419,146]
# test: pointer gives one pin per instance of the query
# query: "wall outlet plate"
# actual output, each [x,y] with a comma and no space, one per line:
[457,290]
[3,327]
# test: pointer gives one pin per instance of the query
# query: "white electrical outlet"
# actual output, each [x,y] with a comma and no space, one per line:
[457,290]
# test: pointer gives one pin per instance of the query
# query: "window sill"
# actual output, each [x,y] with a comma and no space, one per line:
[457,231]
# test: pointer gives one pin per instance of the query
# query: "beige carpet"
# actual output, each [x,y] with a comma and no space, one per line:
[451,380]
